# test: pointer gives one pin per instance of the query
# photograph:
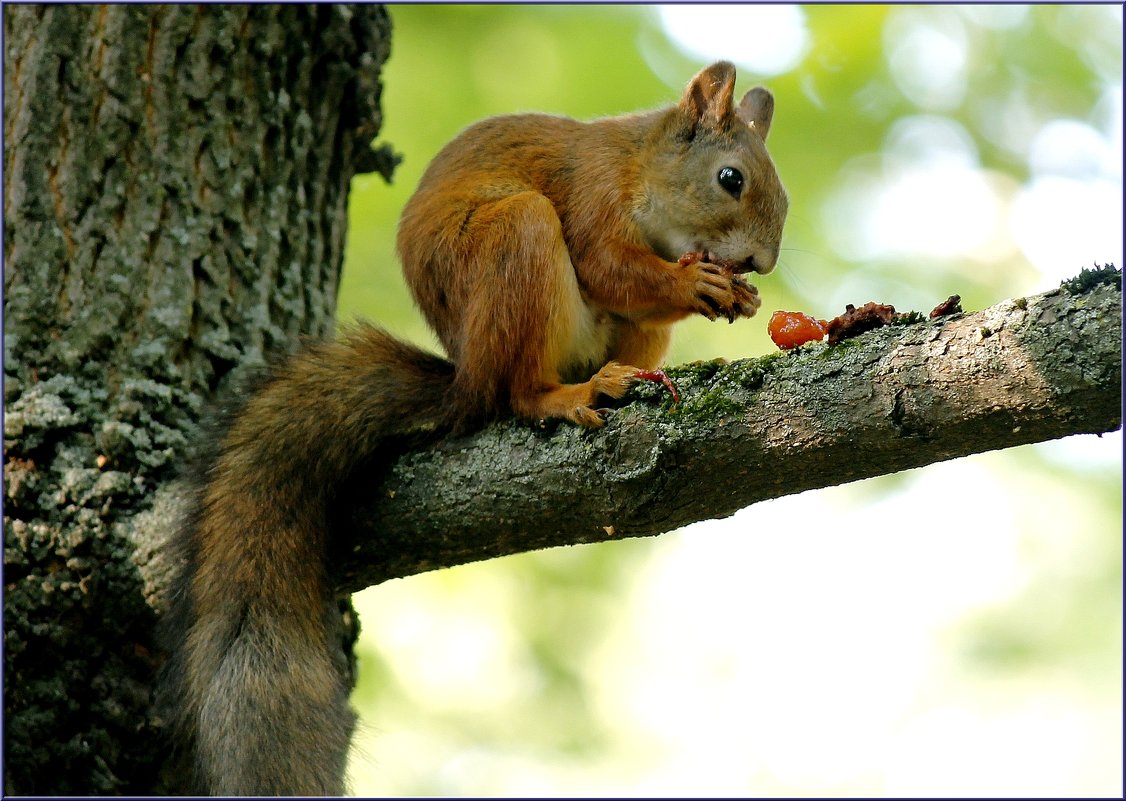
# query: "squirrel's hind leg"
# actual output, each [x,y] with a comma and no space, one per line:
[526,323]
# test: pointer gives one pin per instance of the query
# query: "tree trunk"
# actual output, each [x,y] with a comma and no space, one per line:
[175,190]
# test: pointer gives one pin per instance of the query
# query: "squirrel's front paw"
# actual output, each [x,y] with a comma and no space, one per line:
[716,291]
[747,301]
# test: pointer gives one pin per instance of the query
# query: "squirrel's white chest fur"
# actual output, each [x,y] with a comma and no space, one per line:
[589,345]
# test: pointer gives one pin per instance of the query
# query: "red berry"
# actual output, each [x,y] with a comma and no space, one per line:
[790,329]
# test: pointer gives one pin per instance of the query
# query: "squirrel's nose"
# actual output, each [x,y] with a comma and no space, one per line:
[762,261]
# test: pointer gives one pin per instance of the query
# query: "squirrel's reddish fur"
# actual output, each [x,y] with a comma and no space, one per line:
[547,255]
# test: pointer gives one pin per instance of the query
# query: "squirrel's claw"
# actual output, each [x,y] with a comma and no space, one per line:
[660,377]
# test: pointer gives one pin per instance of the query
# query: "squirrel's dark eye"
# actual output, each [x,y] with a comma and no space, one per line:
[731,180]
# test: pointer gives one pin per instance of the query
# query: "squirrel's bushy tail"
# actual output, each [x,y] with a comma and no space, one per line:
[257,680]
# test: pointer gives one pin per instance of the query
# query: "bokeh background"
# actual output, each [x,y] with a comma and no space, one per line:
[954,630]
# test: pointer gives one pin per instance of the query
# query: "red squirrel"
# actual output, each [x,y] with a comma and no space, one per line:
[551,257]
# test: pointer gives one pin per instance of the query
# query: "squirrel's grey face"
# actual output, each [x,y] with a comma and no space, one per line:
[719,195]
[749,207]
[715,189]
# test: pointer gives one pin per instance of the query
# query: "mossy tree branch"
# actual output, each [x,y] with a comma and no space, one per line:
[1022,371]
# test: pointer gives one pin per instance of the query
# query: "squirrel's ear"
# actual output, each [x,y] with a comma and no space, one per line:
[709,96]
[757,110]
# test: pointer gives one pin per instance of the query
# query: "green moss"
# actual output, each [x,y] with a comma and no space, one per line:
[717,397]
[699,371]
[750,373]
[1089,279]
[839,349]
[908,318]
[706,406]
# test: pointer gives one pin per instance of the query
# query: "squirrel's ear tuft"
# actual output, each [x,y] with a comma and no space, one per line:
[710,95]
[757,110]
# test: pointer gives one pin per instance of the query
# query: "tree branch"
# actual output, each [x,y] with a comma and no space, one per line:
[1022,371]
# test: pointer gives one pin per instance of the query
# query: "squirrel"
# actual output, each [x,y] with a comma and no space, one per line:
[551,257]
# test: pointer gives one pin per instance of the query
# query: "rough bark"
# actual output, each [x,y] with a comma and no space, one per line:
[175,189]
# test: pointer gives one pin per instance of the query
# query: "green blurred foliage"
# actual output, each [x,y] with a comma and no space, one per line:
[837,111]
[453,65]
